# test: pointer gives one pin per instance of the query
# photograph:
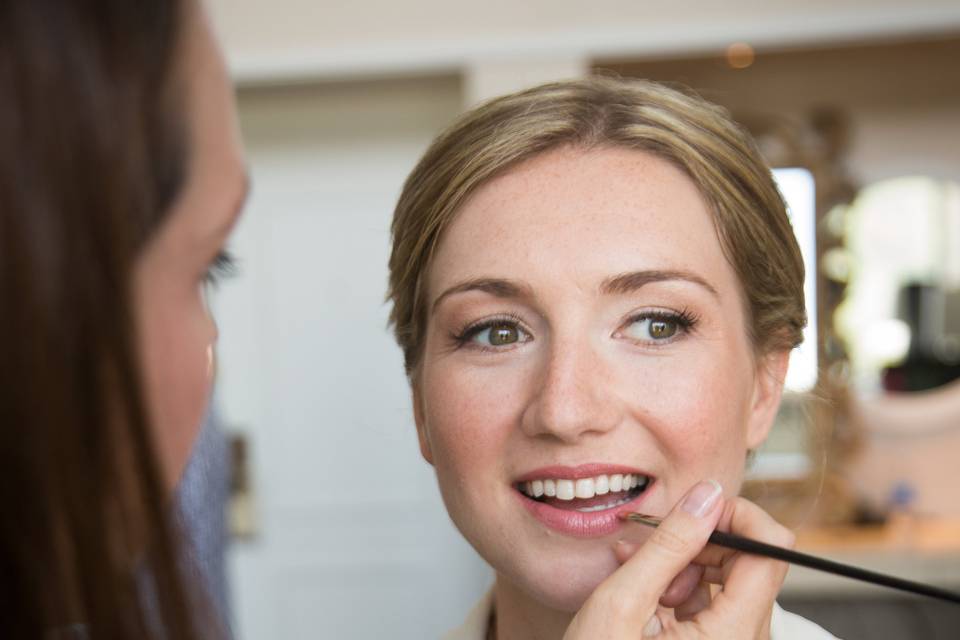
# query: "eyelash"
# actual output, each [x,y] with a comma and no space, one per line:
[464,337]
[222,267]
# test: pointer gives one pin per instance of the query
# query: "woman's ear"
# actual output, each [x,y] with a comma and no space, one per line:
[767,392]
[425,449]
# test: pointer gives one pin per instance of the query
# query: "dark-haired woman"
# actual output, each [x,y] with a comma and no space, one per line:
[121,176]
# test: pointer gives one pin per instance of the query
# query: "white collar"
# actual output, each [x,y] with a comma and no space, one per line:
[783,624]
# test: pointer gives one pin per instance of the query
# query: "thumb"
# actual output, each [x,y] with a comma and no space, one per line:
[645,577]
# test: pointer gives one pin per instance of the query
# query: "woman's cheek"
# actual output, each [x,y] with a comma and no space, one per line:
[471,416]
[180,338]
[691,404]
[458,422]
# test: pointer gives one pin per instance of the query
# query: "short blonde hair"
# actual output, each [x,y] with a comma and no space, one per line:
[698,137]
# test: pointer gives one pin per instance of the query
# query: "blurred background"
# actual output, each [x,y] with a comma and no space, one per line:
[337,528]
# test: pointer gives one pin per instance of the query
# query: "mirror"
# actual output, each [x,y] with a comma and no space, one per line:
[900,262]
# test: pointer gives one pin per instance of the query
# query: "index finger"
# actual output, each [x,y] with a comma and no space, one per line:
[754,581]
[642,579]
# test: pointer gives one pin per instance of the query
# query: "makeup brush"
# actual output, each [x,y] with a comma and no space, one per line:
[754,547]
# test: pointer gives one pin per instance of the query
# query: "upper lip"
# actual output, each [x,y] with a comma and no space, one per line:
[589,470]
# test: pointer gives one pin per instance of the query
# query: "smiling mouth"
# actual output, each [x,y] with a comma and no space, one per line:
[586,495]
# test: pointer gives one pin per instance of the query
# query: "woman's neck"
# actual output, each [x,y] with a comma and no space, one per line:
[517,616]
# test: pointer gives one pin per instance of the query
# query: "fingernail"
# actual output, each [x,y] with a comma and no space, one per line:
[653,627]
[702,498]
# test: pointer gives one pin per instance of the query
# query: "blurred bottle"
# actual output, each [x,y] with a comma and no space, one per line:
[901,514]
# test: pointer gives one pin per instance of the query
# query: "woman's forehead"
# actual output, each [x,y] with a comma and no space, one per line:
[588,215]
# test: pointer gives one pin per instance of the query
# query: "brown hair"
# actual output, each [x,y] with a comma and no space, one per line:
[696,136]
[92,155]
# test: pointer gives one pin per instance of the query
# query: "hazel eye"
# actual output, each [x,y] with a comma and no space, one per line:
[495,334]
[499,335]
[653,328]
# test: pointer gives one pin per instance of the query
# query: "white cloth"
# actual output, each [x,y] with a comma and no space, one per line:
[783,625]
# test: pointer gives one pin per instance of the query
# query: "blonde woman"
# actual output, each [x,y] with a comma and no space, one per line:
[596,289]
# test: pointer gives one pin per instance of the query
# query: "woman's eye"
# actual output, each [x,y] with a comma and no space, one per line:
[653,328]
[499,334]
[223,266]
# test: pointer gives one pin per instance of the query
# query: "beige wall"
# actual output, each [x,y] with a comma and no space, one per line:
[309,39]
[902,98]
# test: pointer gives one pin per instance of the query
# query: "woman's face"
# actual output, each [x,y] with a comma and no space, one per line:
[584,326]
[177,333]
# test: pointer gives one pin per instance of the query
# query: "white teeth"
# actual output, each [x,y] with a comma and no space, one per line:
[616,482]
[549,488]
[565,490]
[584,488]
[601,485]
[601,507]
[536,488]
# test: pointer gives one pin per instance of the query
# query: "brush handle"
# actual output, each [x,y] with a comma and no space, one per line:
[754,547]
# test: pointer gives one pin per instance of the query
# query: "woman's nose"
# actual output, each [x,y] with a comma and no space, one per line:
[572,398]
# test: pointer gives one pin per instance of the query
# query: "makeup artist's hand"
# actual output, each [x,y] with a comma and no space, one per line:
[663,588]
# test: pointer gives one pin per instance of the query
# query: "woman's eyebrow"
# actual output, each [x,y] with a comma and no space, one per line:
[239,203]
[629,282]
[222,227]
[498,287]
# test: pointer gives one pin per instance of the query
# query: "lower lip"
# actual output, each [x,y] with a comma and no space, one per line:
[579,524]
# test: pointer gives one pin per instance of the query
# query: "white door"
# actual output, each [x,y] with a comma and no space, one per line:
[353,540]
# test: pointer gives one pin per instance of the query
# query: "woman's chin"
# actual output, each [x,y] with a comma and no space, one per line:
[564,584]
